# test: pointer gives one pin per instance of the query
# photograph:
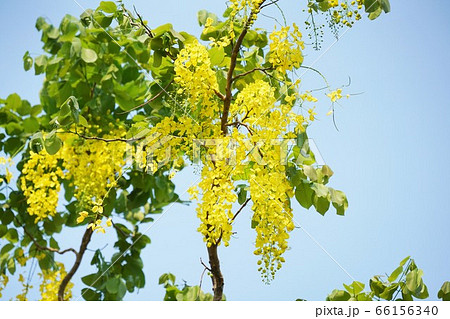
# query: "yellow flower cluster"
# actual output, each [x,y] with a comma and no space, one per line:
[21,258]
[196,78]
[25,288]
[40,184]
[97,210]
[286,48]
[218,197]
[344,13]
[253,6]
[270,191]
[91,165]
[3,282]
[335,95]
[51,280]
[266,123]
[7,162]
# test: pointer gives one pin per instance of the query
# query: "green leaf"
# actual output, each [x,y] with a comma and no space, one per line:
[414,281]
[403,262]
[310,172]
[388,293]
[12,235]
[216,55]
[3,230]
[52,143]
[355,288]
[371,5]
[92,280]
[90,295]
[203,15]
[386,5]
[112,285]
[13,101]
[11,266]
[395,274]
[30,125]
[304,194]
[242,196]
[375,14]
[24,108]
[121,290]
[88,55]
[5,249]
[339,201]
[165,278]
[321,204]
[39,64]
[376,286]
[338,295]
[444,292]
[27,61]
[108,6]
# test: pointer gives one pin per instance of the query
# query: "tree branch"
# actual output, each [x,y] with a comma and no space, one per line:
[40,247]
[217,277]
[84,243]
[240,209]
[147,29]
[251,71]
[237,124]
[106,140]
[233,59]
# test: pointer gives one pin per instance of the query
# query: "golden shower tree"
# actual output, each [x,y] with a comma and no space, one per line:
[125,106]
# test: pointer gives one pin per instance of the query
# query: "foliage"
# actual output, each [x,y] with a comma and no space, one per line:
[405,283]
[124,107]
[187,293]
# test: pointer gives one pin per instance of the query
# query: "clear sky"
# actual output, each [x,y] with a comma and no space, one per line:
[390,155]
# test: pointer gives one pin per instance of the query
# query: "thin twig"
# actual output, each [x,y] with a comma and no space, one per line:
[147,29]
[237,124]
[206,267]
[269,4]
[106,140]
[40,247]
[251,71]
[240,209]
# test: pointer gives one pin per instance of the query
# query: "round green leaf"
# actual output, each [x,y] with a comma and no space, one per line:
[88,55]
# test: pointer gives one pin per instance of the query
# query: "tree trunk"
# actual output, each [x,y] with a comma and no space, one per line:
[217,278]
[84,243]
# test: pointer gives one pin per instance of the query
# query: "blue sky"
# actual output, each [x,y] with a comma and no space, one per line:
[390,155]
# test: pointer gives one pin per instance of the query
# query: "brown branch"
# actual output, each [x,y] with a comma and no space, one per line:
[251,71]
[40,247]
[240,209]
[150,100]
[84,243]
[106,140]
[217,277]
[147,29]
[220,95]
[203,264]
[237,124]
[233,59]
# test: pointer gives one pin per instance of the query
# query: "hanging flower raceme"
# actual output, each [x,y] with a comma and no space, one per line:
[196,78]
[286,48]
[51,280]
[40,183]
[91,165]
